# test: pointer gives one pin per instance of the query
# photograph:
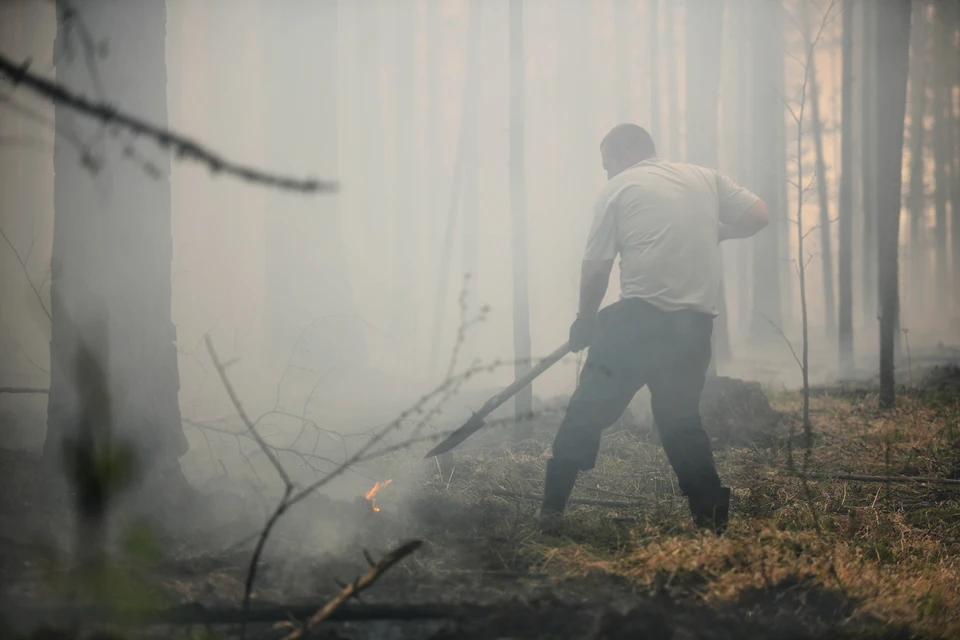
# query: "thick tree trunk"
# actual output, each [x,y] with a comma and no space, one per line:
[518,208]
[702,58]
[768,119]
[891,52]
[916,200]
[112,246]
[845,223]
[305,264]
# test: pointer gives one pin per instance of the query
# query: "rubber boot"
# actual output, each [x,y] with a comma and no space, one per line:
[557,487]
[711,509]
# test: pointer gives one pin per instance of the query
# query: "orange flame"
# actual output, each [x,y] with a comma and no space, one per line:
[372,494]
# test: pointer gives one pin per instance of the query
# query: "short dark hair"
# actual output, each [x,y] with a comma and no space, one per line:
[631,137]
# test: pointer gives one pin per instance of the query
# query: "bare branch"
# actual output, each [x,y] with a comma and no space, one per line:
[26,274]
[251,428]
[353,589]
[37,390]
[183,147]
[782,335]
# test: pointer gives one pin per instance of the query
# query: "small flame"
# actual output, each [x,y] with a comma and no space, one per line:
[372,494]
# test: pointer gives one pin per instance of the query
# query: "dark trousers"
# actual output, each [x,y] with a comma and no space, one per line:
[638,344]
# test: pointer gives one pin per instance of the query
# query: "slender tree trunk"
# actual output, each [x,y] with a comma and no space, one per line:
[434,56]
[655,97]
[405,219]
[673,100]
[868,88]
[891,51]
[112,247]
[768,119]
[953,57]
[942,153]
[744,148]
[826,229]
[846,198]
[917,200]
[521,303]
[458,194]
[471,164]
[622,63]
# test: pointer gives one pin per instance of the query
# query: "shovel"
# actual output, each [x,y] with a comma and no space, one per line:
[476,421]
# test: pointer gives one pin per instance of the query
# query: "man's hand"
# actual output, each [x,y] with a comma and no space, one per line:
[582,332]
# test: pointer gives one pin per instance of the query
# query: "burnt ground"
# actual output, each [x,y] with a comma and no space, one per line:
[830,558]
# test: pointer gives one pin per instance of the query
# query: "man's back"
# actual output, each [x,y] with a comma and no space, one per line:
[663,219]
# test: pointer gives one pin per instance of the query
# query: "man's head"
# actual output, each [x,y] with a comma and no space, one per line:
[625,145]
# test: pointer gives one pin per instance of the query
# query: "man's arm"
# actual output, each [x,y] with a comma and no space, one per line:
[594,278]
[752,221]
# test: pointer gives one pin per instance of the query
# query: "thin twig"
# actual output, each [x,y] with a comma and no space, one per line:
[37,390]
[861,478]
[354,588]
[251,429]
[26,274]
[182,146]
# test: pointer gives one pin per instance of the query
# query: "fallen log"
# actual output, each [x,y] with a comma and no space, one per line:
[861,478]
[189,614]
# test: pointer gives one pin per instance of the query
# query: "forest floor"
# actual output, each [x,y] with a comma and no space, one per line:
[801,559]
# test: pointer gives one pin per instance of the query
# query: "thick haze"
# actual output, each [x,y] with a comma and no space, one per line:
[371,94]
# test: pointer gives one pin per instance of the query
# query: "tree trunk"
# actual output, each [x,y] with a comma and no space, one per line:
[521,302]
[673,151]
[652,43]
[826,230]
[622,62]
[471,163]
[891,52]
[845,223]
[953,56]
[112,246]
[768,122]
[434,128]
[868,89]
[305,264]
[744,148]
[405,228]
[917,200]
[942,153]
[702,58]
[468,109]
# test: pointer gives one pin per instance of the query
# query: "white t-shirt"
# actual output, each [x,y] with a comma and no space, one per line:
[663,219]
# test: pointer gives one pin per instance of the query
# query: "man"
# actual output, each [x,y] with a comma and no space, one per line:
[665,220]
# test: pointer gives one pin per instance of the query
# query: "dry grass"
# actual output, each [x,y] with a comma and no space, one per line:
[888,555]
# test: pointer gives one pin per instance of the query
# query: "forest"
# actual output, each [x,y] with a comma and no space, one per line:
[259,259]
